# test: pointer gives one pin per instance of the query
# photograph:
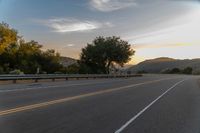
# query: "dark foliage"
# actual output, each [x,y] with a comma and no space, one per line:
[28,57]
[103,53]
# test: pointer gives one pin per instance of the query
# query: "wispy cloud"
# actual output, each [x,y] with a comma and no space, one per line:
[64,25]
[69,45]
[184,30]
[111,5]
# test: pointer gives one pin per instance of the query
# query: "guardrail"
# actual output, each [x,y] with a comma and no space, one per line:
[53,77]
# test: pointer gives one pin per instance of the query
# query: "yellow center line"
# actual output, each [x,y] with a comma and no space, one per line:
[43,104]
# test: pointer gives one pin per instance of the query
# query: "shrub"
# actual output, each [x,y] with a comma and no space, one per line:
[16,71]
[187,70]
[196,72]
[175,71]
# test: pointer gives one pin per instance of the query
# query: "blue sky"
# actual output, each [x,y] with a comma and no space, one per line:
[155,28]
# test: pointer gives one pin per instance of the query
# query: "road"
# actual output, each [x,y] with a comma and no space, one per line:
[148,104]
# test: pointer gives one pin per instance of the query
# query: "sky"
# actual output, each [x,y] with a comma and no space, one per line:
[154,28]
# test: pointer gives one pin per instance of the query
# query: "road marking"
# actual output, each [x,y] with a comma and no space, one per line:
[148,106]
[43,104]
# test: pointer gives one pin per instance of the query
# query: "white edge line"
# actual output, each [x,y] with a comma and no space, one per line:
[148,106]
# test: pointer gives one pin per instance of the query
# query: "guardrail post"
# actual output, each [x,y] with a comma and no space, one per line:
[53,79]
[14,81]
[66,78]
[36,80]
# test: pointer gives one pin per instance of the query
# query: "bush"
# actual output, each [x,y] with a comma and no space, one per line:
[175,71]
[187,70]
[196,72]
[16,71]
[72,69]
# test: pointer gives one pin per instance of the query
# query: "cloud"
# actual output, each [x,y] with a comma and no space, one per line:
[181,30]
[111,5]
[69,45]
[64,25]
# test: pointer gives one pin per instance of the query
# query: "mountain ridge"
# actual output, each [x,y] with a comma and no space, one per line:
[160,64]
[67,61]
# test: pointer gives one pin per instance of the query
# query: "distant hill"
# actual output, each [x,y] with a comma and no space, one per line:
[67,61]
[160,64]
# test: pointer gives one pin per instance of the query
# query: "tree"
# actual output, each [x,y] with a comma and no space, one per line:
[8,58]
[175,71]
[103,53]
[7,36]
[17,54]
[28,55]
[72,69]
[50,61]
[187,70]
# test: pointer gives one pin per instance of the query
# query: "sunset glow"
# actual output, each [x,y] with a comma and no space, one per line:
[165,28]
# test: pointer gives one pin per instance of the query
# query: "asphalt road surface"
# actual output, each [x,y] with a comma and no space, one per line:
[148,104]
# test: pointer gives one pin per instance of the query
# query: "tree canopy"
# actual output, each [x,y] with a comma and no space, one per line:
[105,52]
[16,53]
[7,36]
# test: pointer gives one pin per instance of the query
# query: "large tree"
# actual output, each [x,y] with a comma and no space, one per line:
[105,52]
[16,53]
[7,36]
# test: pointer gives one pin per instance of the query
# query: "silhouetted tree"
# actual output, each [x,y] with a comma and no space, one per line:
[102,53]
[175,71]
[187,70]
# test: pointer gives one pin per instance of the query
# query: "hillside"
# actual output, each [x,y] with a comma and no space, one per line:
[66,61]
[159,64]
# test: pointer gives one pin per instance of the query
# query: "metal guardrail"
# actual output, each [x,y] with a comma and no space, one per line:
[53,77]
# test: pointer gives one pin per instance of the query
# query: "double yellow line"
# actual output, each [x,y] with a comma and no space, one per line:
[53,102]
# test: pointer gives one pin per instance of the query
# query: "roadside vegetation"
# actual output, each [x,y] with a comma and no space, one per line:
[103,54]
[20,57]
[187,70]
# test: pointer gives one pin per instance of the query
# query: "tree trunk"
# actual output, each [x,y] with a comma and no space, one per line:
[108,67]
